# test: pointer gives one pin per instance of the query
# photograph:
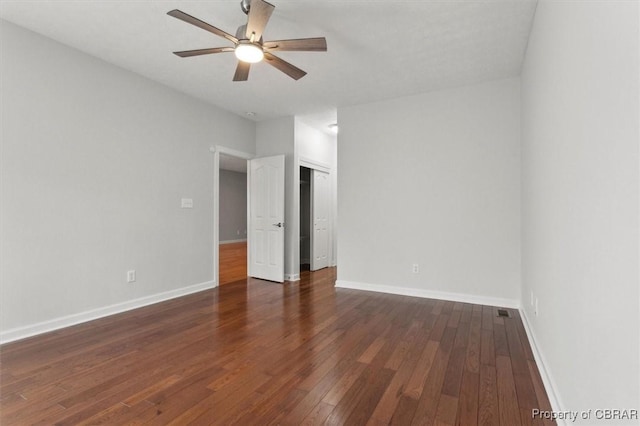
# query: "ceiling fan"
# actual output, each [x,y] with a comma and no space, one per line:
[249,46]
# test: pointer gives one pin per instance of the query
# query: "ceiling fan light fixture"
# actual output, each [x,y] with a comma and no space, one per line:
[248,52]
[248,44]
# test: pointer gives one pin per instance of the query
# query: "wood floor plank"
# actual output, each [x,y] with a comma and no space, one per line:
[472,361]
[455,368]
[487,348]
[500,344]
[175,402]
[488,397]
[419,376]
[487,317]
[372,350]
[318,415]
[401,380]
[426,410]
[37,414]
[232,258]
[370,396]
[507,398]
[255,352]
[398,355]
[447,411]
[341,387]
[282,410]
[468,400]
[405,411]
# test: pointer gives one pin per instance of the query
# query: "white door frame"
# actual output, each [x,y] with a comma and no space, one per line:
[217,150]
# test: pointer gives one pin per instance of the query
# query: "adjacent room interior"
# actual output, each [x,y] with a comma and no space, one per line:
[456,237]
[232,262]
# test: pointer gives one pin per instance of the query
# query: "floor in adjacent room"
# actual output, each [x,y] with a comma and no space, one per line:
[256,352]
[233,262]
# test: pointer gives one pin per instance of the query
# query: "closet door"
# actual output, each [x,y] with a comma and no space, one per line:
[320,220]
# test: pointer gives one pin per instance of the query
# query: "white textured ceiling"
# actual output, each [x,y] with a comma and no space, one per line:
[376,49]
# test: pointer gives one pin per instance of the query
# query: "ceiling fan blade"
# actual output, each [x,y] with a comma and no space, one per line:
[242,71]
[188,53]
[317,44]
[284,66]
[259,14]
[201,24]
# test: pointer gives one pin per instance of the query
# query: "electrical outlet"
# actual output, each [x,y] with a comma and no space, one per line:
[131,276]
[416,268]
[535,309]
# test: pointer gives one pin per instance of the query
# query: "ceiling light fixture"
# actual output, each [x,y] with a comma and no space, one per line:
[248,44]
[248,52]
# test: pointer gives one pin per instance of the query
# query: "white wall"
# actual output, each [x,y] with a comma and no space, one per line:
[315,145]
[580,121]
[276,137]
[95,160]
[433,179]
[233,206]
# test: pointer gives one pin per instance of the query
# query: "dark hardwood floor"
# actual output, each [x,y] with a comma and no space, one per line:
[254,352]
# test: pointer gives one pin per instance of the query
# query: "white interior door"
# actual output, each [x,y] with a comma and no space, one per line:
[320,220]
[266,218]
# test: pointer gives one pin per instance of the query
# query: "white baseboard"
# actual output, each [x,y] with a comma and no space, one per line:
[549,383]
[430,294]
[69,320]
[242,240]
[292,277]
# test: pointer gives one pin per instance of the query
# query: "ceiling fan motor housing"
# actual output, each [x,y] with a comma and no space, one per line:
[245,5]
[241,34]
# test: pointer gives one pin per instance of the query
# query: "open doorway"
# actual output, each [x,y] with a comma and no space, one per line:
[246,258]
[230,251]
[305,219]
[314,219]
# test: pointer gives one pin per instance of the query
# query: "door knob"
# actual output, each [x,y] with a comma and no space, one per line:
[279,224]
